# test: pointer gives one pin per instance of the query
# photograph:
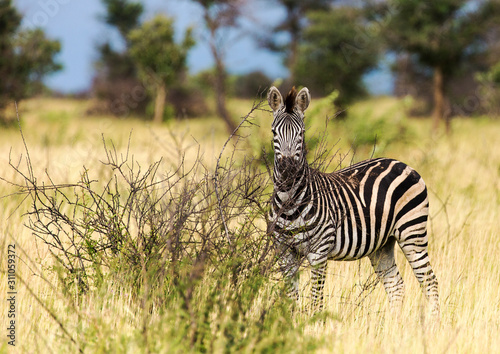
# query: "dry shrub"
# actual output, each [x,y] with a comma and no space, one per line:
[190,246]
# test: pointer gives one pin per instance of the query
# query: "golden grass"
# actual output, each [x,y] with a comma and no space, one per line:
[462,173]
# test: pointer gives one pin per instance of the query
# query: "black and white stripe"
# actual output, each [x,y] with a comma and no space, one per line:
[362,210]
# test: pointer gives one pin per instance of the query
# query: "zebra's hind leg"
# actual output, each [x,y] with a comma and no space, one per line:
[414,247]
[387,271]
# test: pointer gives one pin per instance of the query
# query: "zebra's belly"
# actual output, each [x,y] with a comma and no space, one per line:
[339,243]
[327,240]
[355,239]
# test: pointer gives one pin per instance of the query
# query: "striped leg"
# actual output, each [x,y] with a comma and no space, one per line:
[318,275]
[385,267]
[415,250]
[289,266]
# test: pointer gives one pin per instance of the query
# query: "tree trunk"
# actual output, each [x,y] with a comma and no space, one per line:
[161,96]
[292,59]
[437,114]
[447,118]
[220,74]
[220,95]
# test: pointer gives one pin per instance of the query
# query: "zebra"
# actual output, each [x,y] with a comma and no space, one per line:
[358,211]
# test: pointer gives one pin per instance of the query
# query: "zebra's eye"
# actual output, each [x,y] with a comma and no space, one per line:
[273,131]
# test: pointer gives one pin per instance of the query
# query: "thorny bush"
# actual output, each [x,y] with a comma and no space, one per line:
[142,219]
[192,241]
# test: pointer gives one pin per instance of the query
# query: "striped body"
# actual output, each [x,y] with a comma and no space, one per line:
[359,211]
[349,214]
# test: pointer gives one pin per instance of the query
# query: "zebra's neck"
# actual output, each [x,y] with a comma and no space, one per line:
[289,176]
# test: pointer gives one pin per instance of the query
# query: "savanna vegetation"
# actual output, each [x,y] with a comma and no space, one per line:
[138,209]
[142,260]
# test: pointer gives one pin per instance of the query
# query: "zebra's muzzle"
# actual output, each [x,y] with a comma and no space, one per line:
[289,169]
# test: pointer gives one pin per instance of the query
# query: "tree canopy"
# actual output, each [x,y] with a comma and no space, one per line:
[26,57]
[36,55]
[330,55]
[158,57]
[116,74]
[123,14]
[441,34]
[292,24]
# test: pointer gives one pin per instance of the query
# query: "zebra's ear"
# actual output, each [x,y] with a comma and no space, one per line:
[303,99]
[274,98]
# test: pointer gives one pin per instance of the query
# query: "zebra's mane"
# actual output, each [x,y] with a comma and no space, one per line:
[290,100]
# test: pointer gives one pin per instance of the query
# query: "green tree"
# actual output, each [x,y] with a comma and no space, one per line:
[37,53]
[123,14]
[9,23]
[116,74]
[292,24]
[25,57]
[441,34]
[335,53]
[489,89]
[159,58]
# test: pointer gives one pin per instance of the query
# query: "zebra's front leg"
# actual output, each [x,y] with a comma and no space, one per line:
[289,265]
[318,275]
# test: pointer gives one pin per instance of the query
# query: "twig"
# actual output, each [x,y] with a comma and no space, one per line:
[255,106]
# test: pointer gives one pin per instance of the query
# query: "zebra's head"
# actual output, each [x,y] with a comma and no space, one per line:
[288,125]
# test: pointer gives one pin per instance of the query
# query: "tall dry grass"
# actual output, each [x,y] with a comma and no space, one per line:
[462,173]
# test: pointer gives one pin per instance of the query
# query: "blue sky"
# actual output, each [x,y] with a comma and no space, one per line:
[77,25]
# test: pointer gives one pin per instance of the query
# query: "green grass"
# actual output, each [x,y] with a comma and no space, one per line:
[462,172]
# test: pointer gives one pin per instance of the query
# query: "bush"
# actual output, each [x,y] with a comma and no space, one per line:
[128,96]
[251,85]
[188,101]
[367,129]
[119,97]
[190,248]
